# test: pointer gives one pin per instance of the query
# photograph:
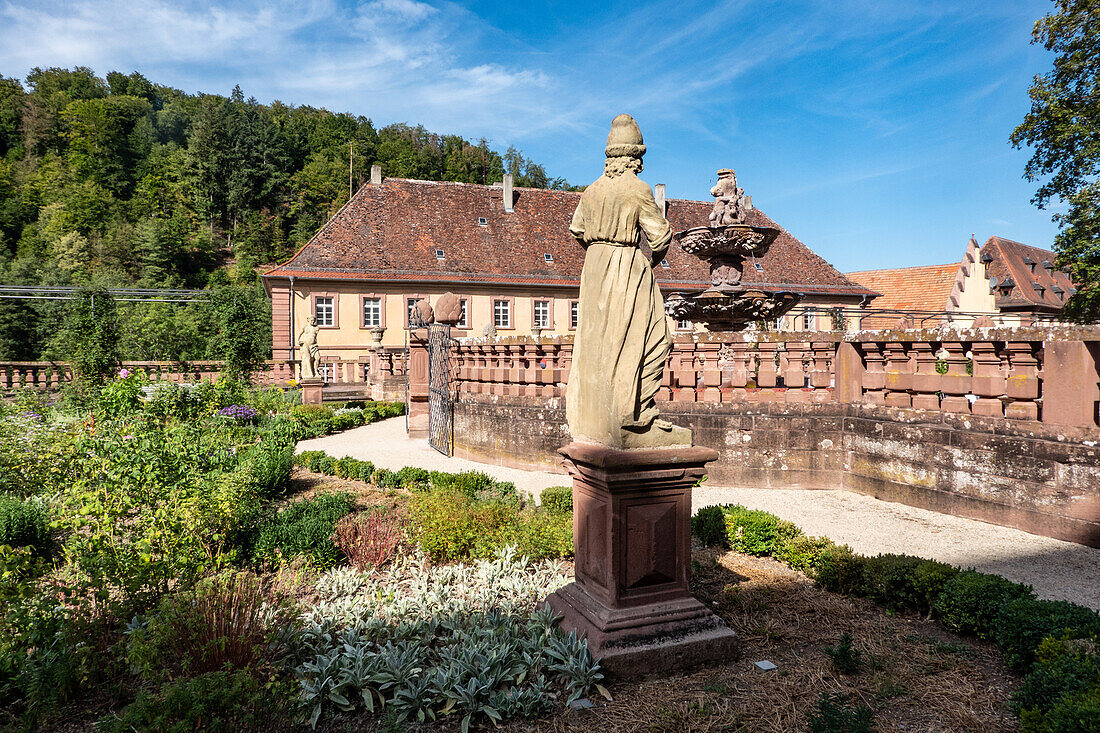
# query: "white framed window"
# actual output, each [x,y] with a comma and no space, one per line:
[410,309]
[683,325]
[808,321]
[502,313]
[324,310]
[574,313]
[542,314]
[372,312]
[464,318]
[778,325]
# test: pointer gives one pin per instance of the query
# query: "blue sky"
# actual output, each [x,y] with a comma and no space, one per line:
[875,131]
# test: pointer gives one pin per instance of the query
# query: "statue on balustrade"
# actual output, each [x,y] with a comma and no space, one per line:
[622,339]
[307,339]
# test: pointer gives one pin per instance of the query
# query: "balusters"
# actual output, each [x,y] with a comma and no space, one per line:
[1022,385]
[898,378]
[988,382]
[955,384]
[925,382]
[711,377]
[874,378]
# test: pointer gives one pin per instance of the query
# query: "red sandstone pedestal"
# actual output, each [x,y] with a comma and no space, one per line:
[632,541]
[312,390]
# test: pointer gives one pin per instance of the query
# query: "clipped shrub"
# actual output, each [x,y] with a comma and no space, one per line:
[832,714]
[1075,713]
[756,532]
[1048,683]
[24,523]
[365,471]
[305,528]
[803,552]
[326,465]
[890,581]
[309,458]
[929,578]
[370,539]
[1024,622]
[347,467]
[709,527]
[971,601]
[217,700]
[384,478]
[557,499]
[311,412]
[503,492]
[839,569]
[413,478]
[543,535]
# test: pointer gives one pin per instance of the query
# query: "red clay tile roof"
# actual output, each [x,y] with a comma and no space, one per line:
[1034,286]
[910,288]
[392,232]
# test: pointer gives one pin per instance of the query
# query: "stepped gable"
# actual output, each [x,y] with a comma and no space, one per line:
[1035,281]
[391,232]
[924,288]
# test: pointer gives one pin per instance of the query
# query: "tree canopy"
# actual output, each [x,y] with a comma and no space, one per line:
[1063,128]
[122,181]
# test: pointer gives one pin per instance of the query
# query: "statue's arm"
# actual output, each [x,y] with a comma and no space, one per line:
[656,227]
[576,227]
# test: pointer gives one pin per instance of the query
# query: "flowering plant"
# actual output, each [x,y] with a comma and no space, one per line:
[244,413]
[123,373]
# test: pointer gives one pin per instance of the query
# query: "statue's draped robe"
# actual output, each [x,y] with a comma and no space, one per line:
[622,338]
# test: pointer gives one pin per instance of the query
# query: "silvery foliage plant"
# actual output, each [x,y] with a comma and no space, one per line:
[424,643]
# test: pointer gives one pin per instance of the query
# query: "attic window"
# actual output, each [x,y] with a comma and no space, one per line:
[482,221]
[757,266]
[548,257]
[439,254]
[1030,263]
[1047,265]
[987,257]
[664,263]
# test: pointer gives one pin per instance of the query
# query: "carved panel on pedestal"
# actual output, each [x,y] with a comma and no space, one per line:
[593,549]
[651,545]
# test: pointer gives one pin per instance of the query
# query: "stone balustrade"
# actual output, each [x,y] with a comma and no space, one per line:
[998,373]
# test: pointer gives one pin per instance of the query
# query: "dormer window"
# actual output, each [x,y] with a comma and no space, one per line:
[439,254]
[664,263]
[482,221]
[548,258]
[757,266]
[1030,263]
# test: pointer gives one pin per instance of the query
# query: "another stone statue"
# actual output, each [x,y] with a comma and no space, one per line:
[729,205]
[307,339]
[622,339]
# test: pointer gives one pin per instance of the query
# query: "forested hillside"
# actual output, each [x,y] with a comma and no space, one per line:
[123,182]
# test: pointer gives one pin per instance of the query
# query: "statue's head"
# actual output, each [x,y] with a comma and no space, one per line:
[312,320]
[624,149]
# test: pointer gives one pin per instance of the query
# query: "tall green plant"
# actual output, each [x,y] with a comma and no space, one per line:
[243,340]
[91,337]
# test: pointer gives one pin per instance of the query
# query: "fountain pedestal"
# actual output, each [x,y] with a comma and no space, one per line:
[632,542]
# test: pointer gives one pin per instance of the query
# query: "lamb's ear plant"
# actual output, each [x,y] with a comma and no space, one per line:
[423,643]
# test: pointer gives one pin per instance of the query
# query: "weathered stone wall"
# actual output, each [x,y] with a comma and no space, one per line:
[1039,478]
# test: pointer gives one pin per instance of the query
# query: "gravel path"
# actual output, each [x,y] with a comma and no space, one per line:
[1057,570]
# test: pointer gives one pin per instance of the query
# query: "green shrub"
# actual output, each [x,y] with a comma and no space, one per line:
[756,532]
[503,492]
[890,581]
[839,569]
[929,578]
[1075,713]
[1046,685]
[412,478]
[1024,622]
[709,527]
[24,523]
[366,470]
[308,458]
[846,658]
[213,701]
[804,553]
[832,714]
[384,478]
[326,465]
[305,528]
[449,525]
[269,464]
[971,601]
[557,499]
[122,395]
[347,467]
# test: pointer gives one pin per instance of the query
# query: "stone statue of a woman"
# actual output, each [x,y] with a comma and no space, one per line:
[622,338]
[307,339]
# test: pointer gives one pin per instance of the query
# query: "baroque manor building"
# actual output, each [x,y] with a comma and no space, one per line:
[505,251]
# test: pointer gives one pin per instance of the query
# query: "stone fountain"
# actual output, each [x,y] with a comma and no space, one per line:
[729,304]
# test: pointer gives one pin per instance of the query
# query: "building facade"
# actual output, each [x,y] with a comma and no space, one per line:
[505,252]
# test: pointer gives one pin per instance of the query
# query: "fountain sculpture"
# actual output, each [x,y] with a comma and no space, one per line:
[729,304]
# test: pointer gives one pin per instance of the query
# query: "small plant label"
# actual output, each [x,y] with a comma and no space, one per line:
[763,666]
